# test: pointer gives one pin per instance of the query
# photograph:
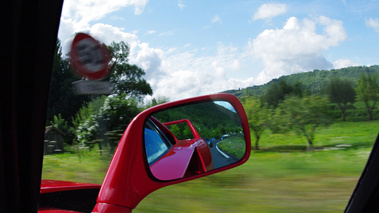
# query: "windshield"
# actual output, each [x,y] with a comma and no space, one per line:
[156,143]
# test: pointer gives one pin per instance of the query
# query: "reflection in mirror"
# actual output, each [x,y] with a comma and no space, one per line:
[193,139]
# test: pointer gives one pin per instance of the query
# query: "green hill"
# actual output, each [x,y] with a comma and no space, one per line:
[312,81]
[209,115]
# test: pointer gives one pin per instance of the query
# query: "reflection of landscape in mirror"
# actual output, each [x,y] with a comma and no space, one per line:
[193,139]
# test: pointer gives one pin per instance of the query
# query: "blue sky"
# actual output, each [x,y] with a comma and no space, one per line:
[191,48]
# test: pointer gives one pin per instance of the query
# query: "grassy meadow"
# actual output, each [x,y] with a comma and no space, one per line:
[280,177]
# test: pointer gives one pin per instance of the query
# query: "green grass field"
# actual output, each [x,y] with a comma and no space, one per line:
[281,177]
[234,145]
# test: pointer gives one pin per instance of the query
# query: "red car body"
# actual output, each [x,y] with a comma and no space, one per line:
[185,158]
[49,186]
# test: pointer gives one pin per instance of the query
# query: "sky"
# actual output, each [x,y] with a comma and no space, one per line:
[191,48]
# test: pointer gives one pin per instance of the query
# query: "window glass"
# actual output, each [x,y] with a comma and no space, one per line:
[156,143]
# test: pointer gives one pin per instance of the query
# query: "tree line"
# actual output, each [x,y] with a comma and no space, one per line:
[287,106]
[87,120]
[209,119]
[312,81]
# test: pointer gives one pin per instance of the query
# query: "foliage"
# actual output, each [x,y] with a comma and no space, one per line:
[304,115]
[61,124]
[210,119]
[85,122]
[312,81]
[258,117]
[87,110]
[367,91]
[115,115]
[156,101]
[127,78]
[233,145]
[276,92]
[340,92]
[62,99]
[104,119]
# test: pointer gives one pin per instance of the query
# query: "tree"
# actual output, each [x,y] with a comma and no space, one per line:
[257,116]
[85,123]
[127,78]
[367,91]
[102,120]
[62,99]
[340,92]
[156,101]
[114,116]
[304,115]
[61,124]
[276,92]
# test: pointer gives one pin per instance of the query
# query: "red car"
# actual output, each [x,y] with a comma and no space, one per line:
[29,33]
[175,158]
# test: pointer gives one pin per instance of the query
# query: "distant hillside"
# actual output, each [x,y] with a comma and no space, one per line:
[312,81]
[209,115]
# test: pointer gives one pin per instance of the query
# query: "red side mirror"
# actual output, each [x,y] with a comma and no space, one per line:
[132,175]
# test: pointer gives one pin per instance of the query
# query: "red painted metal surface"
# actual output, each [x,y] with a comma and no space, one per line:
[48,186]
[205,155]
[174,164]
[128,179]
[54,210]
[109,208]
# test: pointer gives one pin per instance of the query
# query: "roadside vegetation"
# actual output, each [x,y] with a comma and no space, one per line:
[233,145]
[285,107]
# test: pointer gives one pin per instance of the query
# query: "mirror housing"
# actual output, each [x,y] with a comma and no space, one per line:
[128,179]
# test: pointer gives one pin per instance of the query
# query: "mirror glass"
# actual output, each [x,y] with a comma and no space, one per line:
[193,139]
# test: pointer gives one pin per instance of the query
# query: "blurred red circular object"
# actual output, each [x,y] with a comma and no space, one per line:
[89,58]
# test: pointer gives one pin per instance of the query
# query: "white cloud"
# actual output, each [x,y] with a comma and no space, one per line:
[216,19]
[117,18]
[149,59]
[168,33]
[296,47]
[373,23]
[150,32]
[108,33]
[91,10]
[342,63]
[77,16]
[223,49]
[181,73]
[268,11]
[180,4]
